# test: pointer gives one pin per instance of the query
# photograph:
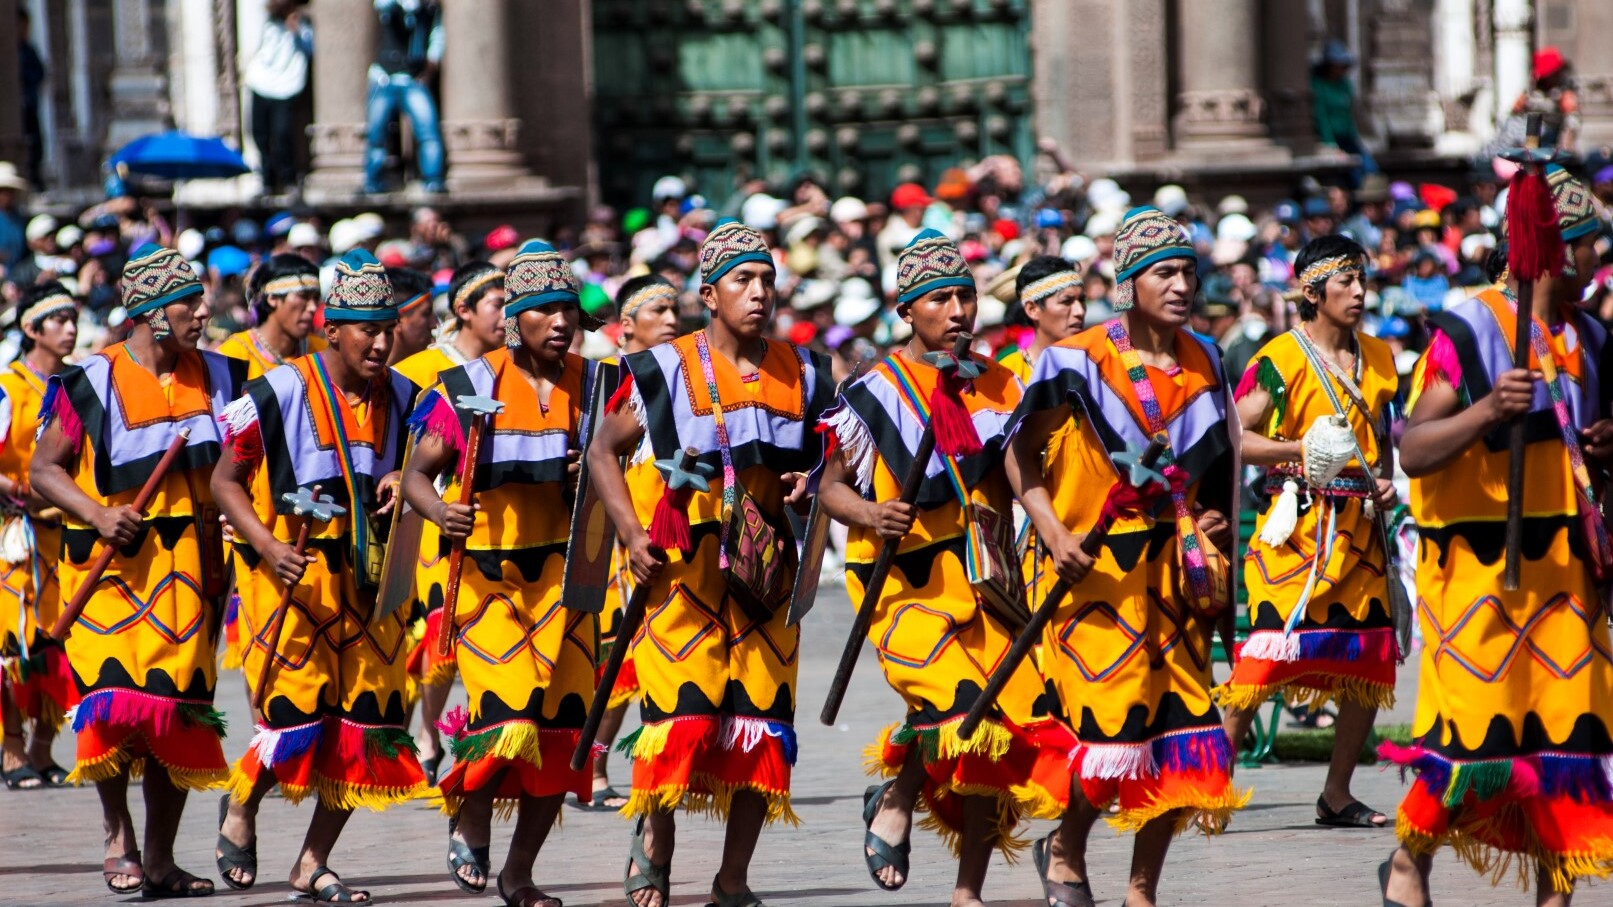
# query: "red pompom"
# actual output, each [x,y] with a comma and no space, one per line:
[1534,243]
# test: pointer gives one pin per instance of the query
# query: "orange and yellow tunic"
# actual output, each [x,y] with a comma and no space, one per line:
[1125,653]
[1512,744]
[142,651]
[333,715]
[526,661]
[717,686]
[425,665]
[1344,645]
[1037,580]
[36,667]
[936,642]
[247,347]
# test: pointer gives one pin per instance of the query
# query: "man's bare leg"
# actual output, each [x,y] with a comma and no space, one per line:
[1408,879]
[241,823]
[165,805]
[1349,735]
[1546,895]
[894,820]
[533,819]
[1067,852]
[118,823]
[1148,859]
[746,817]
[323,831]
[974,857]
[660,834]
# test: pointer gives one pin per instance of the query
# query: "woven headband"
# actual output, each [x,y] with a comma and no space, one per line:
[291,283]
[46,307]
[409,304]
[469,288]
[1320,271]
[1050,285]
[653,291]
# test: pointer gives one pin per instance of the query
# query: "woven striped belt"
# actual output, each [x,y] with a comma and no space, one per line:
[1351,483]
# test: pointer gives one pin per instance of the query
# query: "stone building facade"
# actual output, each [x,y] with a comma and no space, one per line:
[1145,90]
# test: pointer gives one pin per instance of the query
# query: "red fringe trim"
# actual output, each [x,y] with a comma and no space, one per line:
[1534,242]
[623,391]
[955,434]
[246,446]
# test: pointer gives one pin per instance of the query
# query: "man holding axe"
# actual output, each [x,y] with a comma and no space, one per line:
[717,689]
[127,446]
[1128,651]
[506,427]
[329,673]
[1511,755]
[930,559]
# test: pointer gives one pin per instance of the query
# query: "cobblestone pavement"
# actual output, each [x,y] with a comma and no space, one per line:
[1273,854]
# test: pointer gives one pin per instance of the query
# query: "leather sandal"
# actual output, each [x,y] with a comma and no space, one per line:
[127,865]
[643,873]
[232,857]
[1059,894]
[883,855]
[460,855]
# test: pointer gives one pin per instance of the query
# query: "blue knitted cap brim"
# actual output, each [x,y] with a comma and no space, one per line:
[1154,258]
[916,293]
[736,261]
[519,304]
[349,316]
[188,290]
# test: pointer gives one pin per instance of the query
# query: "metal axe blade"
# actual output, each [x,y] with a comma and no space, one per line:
[478,405]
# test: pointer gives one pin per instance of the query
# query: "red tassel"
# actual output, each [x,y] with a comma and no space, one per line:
[955,434]
[1534,243]
[247,445]
[623,391]
[669,526]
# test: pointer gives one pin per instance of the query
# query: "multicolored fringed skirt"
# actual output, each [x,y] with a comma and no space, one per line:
[142,656]
[1131,666]
[936,647]
[528,668]
[35,666]
[333,719]
[1513,753]
[1343,647]
[717,695]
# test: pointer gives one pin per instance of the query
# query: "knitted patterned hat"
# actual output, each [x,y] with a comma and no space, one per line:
[154,277]
[1576,207]
[540,275]
[930,262]
[729,245]
[360,290]
[1145,238]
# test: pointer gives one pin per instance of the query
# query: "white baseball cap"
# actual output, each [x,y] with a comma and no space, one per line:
[302,235]
[848,209]
[669,187]
[41,226]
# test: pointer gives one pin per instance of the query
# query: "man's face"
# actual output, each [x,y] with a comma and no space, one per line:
[655,323]
[743,299]
[57,334]
[1165,291]
[485,319]
[294,312]
[187,318]
[938,317]
[1060,315]
[362,345]
[414,327]
[547,330]
[1342,299]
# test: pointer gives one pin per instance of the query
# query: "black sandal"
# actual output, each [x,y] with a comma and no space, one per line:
[18,778]
[1059,894]
[1386,869]
[126,865]
[643,873]
[333,893]
[746,898]
[176,884]
[597,804]
[430,767]
[884,855]
[232,857]
[460,855]
[1356,815]
[54,775]
[525,896]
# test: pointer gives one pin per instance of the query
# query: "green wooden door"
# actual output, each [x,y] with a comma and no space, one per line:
[864,93]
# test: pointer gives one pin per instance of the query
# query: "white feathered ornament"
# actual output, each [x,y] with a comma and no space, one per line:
[1326,448]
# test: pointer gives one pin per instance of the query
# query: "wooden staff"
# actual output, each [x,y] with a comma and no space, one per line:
[1511,573]
[142,500]
[479,407]
[887,556]
[311,507]
[626,629]
[1092,545]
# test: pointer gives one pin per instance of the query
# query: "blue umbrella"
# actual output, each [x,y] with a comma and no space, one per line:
[180,155]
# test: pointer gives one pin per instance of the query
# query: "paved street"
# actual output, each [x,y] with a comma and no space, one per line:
[50,849]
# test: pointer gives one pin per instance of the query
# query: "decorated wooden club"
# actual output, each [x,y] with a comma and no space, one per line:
[313,507]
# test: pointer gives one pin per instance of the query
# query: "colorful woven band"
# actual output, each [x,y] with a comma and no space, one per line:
[730,479]
[409,305]
[46,307]
[1050,285]
[646,295]
[1320,271]
[291,283]
[466,291]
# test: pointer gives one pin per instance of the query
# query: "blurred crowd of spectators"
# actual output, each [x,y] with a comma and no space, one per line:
[1430,246]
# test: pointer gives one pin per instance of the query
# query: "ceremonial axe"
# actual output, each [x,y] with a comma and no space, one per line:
[481,409]
[309,504]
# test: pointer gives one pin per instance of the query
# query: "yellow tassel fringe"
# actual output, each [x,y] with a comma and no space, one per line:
[114,763]
[1209,814]
[1466,841]
[1348,689]
[717,805]
[652,740]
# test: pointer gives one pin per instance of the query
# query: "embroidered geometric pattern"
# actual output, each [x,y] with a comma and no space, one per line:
[729,242]
[156,276]
[1564,665]
[1146,236]
[1039,290]
[1576,207]
[360,284]
[929,258]
[537,271]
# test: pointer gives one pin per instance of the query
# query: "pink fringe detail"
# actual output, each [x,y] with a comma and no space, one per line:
[1443,362]
[62,412]
[1248,382]
[443,423]
[453,724]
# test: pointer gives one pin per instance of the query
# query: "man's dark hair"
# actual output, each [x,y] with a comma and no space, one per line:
[407,283]
[638,283]
[30,296]
[466,274]
[1039,267]
[286,264]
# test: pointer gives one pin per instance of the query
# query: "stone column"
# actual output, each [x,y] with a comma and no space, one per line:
[1222,109]
[344,47]
[138,88]
[1593,63]
[12,147]
[480,128]
[1514,50]
[1287,43]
